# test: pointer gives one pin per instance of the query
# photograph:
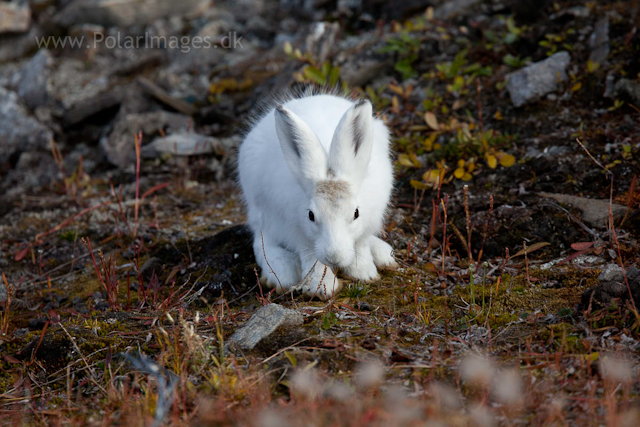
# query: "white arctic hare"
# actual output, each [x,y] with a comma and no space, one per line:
[312,212]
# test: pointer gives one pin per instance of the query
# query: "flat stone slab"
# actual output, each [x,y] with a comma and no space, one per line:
[594,211]
[536,80]
[263,323]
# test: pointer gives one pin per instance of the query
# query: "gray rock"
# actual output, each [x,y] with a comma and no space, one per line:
[627,88]
[183,144]
[306,6]
[34,170]
[263,323]
[536,80]
[576,12]
[321,40]
[350,5]
[613,285]
[244,10]
[15,16]
[579,11]
[119,145]
[3,292]
[599,41]
[18,131]
[32,80]
[73,81]
[14,46]
[595,212]
[361,61]
[125,13]
[452,8]
[216,27]
[84,108]
[611,273]
[359,73]
[609,85]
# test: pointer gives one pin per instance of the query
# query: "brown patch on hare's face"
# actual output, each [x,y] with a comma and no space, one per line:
[333,190]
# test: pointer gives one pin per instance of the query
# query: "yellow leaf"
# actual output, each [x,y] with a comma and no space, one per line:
[292,358]
[459,173]
[395,105]
[592,66]
[576,87]
[396,89]
[429,266]
[467,177]
[428,143]
[408,90]
[431,176]
[460,163]
[431,120]
[492,161]
[429,13]
[405,160]
[471,166]
[288,49]
[592,357]
[418,185]
[507,160]
[498,115]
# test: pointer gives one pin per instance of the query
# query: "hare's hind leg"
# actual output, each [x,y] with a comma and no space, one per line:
[273,258]
[382,254]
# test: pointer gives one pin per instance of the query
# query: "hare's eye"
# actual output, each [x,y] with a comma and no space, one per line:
[356,214]
[311,217]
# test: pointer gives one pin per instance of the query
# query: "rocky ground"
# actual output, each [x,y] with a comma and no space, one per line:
[129,287]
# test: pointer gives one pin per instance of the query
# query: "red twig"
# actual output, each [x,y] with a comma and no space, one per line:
[138,143]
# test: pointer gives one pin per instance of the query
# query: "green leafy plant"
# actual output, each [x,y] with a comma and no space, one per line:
[467,146]
[407,46]
[459,73]
[507,35]
[553,42]
[328,320]
[357,290]
[321,74]
[515,61]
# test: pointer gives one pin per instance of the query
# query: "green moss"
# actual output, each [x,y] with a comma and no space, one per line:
[563,336]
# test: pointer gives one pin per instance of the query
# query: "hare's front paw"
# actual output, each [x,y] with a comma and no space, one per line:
[363,267]
[382,254]
[320,281]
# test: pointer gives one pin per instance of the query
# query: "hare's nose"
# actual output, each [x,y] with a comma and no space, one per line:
[333,260]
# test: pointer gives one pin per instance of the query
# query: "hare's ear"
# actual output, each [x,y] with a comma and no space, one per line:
[351,144]
[305,156]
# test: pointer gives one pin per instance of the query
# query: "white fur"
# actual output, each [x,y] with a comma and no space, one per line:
[288,152]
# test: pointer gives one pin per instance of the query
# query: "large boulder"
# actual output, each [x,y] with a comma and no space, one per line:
[18,130]
[125,13]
